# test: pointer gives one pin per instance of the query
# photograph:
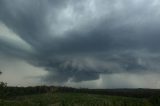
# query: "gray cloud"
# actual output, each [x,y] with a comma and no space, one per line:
[79,40]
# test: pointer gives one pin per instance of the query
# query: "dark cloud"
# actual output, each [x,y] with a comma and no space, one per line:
[80,40]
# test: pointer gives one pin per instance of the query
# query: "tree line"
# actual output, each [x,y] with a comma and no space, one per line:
[10,91]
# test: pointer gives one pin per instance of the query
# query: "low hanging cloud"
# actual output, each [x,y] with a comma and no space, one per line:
[81,40]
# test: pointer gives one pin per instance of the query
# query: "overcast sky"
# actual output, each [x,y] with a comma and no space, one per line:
[80,43]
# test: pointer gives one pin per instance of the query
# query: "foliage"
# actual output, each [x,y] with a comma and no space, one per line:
[66,96]
[74,99]
[3,90]
[155,100]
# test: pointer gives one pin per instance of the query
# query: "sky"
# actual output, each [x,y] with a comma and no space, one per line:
[80,43]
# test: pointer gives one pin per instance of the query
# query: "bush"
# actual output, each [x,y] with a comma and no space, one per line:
[3,89]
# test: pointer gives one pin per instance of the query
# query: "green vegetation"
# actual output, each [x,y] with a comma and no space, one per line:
[66,96]
[74,99]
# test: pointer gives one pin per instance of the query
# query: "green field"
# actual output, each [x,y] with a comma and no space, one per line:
[74,99]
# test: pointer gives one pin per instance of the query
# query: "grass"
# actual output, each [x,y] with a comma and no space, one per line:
[74,99]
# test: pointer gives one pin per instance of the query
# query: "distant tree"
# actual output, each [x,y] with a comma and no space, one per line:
[3,87]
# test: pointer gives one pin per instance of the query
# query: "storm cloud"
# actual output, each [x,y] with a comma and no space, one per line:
[82,40]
